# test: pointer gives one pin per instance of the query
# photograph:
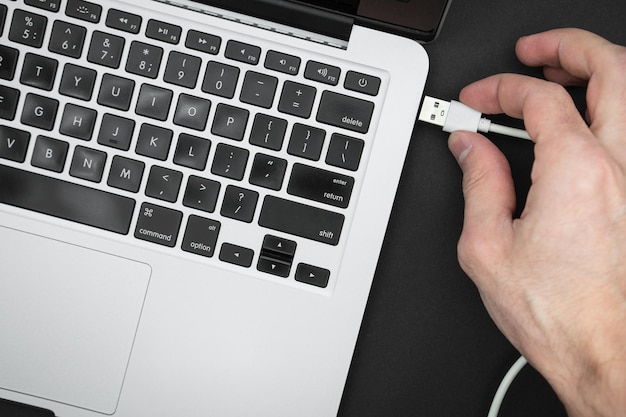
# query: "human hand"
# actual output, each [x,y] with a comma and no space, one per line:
[554,280]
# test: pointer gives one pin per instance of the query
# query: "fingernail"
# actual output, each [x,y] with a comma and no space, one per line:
[460,145]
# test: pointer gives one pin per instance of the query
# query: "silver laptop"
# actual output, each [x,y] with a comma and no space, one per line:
[193,197]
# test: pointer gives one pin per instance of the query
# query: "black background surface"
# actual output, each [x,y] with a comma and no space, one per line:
[427,347]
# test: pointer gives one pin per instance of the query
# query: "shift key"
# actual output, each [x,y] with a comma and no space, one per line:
[301,220]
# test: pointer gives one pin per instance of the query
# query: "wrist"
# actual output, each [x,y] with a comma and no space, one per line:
[589,374]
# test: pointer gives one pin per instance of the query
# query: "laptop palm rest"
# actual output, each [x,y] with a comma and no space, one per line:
[68,318]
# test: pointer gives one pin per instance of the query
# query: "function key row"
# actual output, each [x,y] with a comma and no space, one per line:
[28,28]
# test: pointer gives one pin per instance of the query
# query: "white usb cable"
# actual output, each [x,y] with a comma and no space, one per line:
[515,369]
[454,115]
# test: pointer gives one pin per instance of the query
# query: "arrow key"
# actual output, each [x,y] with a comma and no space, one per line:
[236,255]
[312,275]
[276,256]
[278,247]
[273,266]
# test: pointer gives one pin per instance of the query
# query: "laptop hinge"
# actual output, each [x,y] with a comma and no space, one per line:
[280,16]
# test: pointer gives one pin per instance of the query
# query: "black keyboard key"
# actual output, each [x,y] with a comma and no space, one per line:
[243,52]
[67,39]
[201,194]
[297,99]
[201,236]
[344,152]
[230,161]
[230,122]
[192,151]
[116,92]
[345,112]
[50,154]
[13,143]
[268,132]
[320,185]
[88,164]
[116,132]
[362,83]
[258,89]
[8,62]
[278,247]
[65,200]
[9,97]
[287,64]
[49,5]
[239,203]
[144,59]
[39,111]
[78,122]
[236,255]
[123,21]
[268,171]
[301,220]
[163,31]
[126,174]
[77,82]
[154,102]
[273,266]
[323,73]
[220,79]
[154,141]
[306,142]
[313,275]
[164,184]
[28,28]
[84,10]
[192,112]
[39,71]
[276,256]
[203,42]
[105,49]
[182,69]
[3,17]
[158,224]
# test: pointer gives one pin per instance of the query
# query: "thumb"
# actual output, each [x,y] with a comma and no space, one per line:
[489,200]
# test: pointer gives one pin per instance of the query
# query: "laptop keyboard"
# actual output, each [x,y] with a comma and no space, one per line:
[181,137]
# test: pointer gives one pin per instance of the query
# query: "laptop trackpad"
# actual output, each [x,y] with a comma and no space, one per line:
[68,318]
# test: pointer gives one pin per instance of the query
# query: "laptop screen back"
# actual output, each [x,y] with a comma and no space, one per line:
[416,19]
[419,19]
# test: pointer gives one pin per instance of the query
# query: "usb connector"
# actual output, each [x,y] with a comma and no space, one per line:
[454,115]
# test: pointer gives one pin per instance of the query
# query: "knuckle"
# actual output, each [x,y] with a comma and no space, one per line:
[558,93]
[477,254]
[615,56]
[599,171]
[473,179]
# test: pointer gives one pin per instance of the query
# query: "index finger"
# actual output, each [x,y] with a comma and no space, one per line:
[546,108]
[582,54]
[586,56]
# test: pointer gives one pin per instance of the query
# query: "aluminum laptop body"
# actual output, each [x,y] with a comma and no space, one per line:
[236,282]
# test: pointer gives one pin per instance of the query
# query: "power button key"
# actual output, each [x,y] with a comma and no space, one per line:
[362,83]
